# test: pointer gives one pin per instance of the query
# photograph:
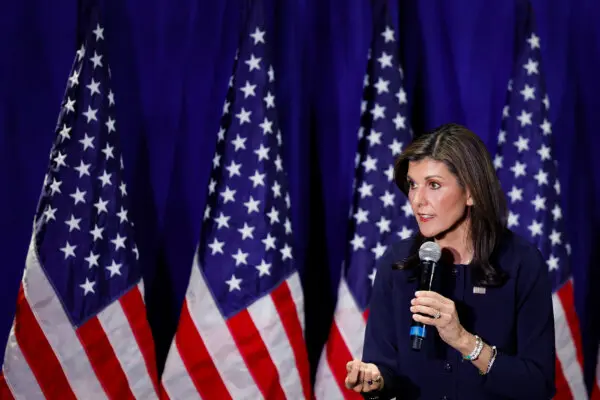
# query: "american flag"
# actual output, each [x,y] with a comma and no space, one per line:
[527,170]
[241,330]
[80,329]
[380,213]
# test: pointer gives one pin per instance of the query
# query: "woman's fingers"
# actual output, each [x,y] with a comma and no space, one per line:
[424,310]
[362,377]
[368,380]
[349,365]
[353,368]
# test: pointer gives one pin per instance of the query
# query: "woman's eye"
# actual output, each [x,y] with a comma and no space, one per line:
[435,185]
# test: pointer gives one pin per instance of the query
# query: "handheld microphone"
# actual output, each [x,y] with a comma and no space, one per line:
[429,254]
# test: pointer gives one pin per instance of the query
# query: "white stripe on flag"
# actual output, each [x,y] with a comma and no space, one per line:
[326,386]
[267,321]
[58,330]
[566,351]
[175,371]
[297,295]
[121,337]
[141,288]
[350,321]
[18,375]
[218,339]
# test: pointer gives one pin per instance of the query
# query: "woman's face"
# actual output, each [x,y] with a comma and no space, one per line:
[437,199]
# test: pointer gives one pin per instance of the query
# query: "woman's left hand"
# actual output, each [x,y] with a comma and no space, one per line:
[435,305]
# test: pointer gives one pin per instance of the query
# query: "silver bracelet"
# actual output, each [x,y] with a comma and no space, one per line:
[474,355]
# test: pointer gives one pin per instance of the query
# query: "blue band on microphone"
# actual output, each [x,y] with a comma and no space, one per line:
[417,331]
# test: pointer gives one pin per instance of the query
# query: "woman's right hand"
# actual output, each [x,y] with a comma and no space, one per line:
[363,377]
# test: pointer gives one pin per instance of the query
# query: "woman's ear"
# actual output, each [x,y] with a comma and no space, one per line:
[470,201]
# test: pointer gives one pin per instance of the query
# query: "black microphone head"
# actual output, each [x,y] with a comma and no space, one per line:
[430,251]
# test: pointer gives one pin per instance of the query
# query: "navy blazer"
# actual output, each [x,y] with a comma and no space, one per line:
[517,318]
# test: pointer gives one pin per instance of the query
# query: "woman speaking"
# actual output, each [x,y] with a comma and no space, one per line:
[486,324]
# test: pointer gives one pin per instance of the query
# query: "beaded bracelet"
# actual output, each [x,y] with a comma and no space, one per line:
[476,351]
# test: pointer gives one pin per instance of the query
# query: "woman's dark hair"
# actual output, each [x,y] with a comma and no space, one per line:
[467,158]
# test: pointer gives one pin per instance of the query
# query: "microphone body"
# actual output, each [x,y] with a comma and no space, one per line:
[418,329]
[429,253]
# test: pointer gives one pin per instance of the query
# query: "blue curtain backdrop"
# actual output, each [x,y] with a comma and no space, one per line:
[171,62]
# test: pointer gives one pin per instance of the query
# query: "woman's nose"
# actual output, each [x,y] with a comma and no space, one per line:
[418,197]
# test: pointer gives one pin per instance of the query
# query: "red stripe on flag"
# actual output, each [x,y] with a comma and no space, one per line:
[104,360]
[366,315]
[595,392]
[5,393]
[337,357]
[135,312]
[163,393]
[197,360]
[563,391]
[255,354]
[38,353]
[286,308]
[566,296]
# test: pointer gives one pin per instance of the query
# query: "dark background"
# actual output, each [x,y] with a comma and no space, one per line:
[170,63]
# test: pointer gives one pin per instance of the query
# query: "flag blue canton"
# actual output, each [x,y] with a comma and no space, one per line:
[246,243]
[83,233]
[380,212]
[526,167]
